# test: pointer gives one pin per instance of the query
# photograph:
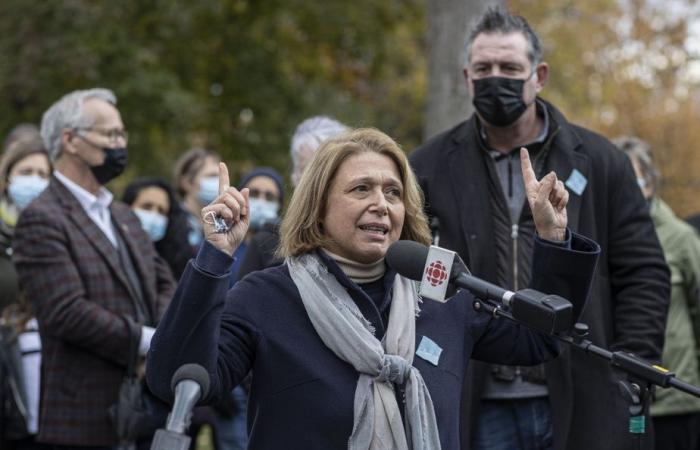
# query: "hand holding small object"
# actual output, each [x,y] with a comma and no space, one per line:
[225,220]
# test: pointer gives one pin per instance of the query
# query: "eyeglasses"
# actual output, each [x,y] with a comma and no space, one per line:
[113,134]
[267,195]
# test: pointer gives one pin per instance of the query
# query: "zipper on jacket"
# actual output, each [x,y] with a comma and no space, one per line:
[514,241]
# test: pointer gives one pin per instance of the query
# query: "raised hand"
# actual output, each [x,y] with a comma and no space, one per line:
[547,198]
[231,206]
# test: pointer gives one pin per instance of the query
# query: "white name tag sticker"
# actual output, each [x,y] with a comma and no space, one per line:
[576,182]
[429,350]
[436,273]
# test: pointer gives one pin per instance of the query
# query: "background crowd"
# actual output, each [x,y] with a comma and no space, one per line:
[86,272]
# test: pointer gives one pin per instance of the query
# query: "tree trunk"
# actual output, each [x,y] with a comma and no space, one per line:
[448,25]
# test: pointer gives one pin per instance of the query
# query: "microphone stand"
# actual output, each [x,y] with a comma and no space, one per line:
[644,376]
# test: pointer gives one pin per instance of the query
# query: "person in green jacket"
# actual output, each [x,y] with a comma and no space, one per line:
[676,415]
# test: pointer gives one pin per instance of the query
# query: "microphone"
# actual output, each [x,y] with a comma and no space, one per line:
[190,383]
[547,313]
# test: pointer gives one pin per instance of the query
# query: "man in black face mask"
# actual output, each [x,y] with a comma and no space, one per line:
[474,191]
[94,279]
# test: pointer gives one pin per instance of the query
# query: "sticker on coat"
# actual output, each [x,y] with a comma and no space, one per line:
[429,350]
[577,182]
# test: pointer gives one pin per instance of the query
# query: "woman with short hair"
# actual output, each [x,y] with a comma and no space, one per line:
[195,180]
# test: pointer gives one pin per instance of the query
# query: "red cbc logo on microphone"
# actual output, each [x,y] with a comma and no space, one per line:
[436,273]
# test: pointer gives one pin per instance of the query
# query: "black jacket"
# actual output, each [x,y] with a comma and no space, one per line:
[630,293]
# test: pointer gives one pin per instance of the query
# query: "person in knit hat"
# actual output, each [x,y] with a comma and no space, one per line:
[266,193]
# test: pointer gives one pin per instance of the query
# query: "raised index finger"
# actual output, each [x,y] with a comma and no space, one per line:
[528,173]
[223,178]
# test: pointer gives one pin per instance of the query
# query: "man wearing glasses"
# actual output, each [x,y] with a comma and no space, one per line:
[471,178]
[91,273]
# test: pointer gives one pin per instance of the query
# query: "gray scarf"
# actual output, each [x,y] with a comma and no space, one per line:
[343,329]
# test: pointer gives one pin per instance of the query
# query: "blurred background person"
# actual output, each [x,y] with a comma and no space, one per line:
[155,204]
[266,195]
[196,185]
[307,137]
[151,199]
[676,415]
[24,172]
[97,285]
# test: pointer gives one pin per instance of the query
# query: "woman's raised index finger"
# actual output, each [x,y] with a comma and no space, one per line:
[223,178]
[528,172]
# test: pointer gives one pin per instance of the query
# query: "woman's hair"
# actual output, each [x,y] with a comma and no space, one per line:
[187,166]
[20,131]
[16,152]
[301,229]
[131,192]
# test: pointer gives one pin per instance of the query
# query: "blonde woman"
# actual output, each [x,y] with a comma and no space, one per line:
[342,350]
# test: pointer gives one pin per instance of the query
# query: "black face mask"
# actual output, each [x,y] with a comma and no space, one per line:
[113,165]
[499,100]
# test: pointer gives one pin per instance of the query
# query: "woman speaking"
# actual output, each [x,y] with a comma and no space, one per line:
[344,353]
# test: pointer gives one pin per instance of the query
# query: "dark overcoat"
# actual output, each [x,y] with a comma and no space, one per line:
[71,274]
[629,297]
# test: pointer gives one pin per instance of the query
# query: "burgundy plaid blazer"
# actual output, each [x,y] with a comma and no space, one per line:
[71,273]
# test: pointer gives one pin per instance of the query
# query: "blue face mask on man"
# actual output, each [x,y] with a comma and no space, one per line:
[25,188]
[262,212]
[208,190]
[153,223]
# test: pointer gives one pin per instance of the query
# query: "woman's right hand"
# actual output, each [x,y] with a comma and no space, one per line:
[231,206]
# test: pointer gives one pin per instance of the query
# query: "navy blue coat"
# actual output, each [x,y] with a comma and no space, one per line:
[302,394]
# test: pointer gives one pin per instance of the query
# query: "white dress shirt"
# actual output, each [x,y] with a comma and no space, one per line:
[96,207]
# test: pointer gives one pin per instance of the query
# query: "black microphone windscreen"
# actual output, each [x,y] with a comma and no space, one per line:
[193,372]
[407,258]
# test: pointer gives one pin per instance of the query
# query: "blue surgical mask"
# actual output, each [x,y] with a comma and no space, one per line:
[208,190]
[153,223]
[262,212]
[25,188]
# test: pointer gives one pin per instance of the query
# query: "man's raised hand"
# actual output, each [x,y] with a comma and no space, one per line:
[547,198]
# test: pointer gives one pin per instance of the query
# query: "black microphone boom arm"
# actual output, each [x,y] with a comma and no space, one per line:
[550,314]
